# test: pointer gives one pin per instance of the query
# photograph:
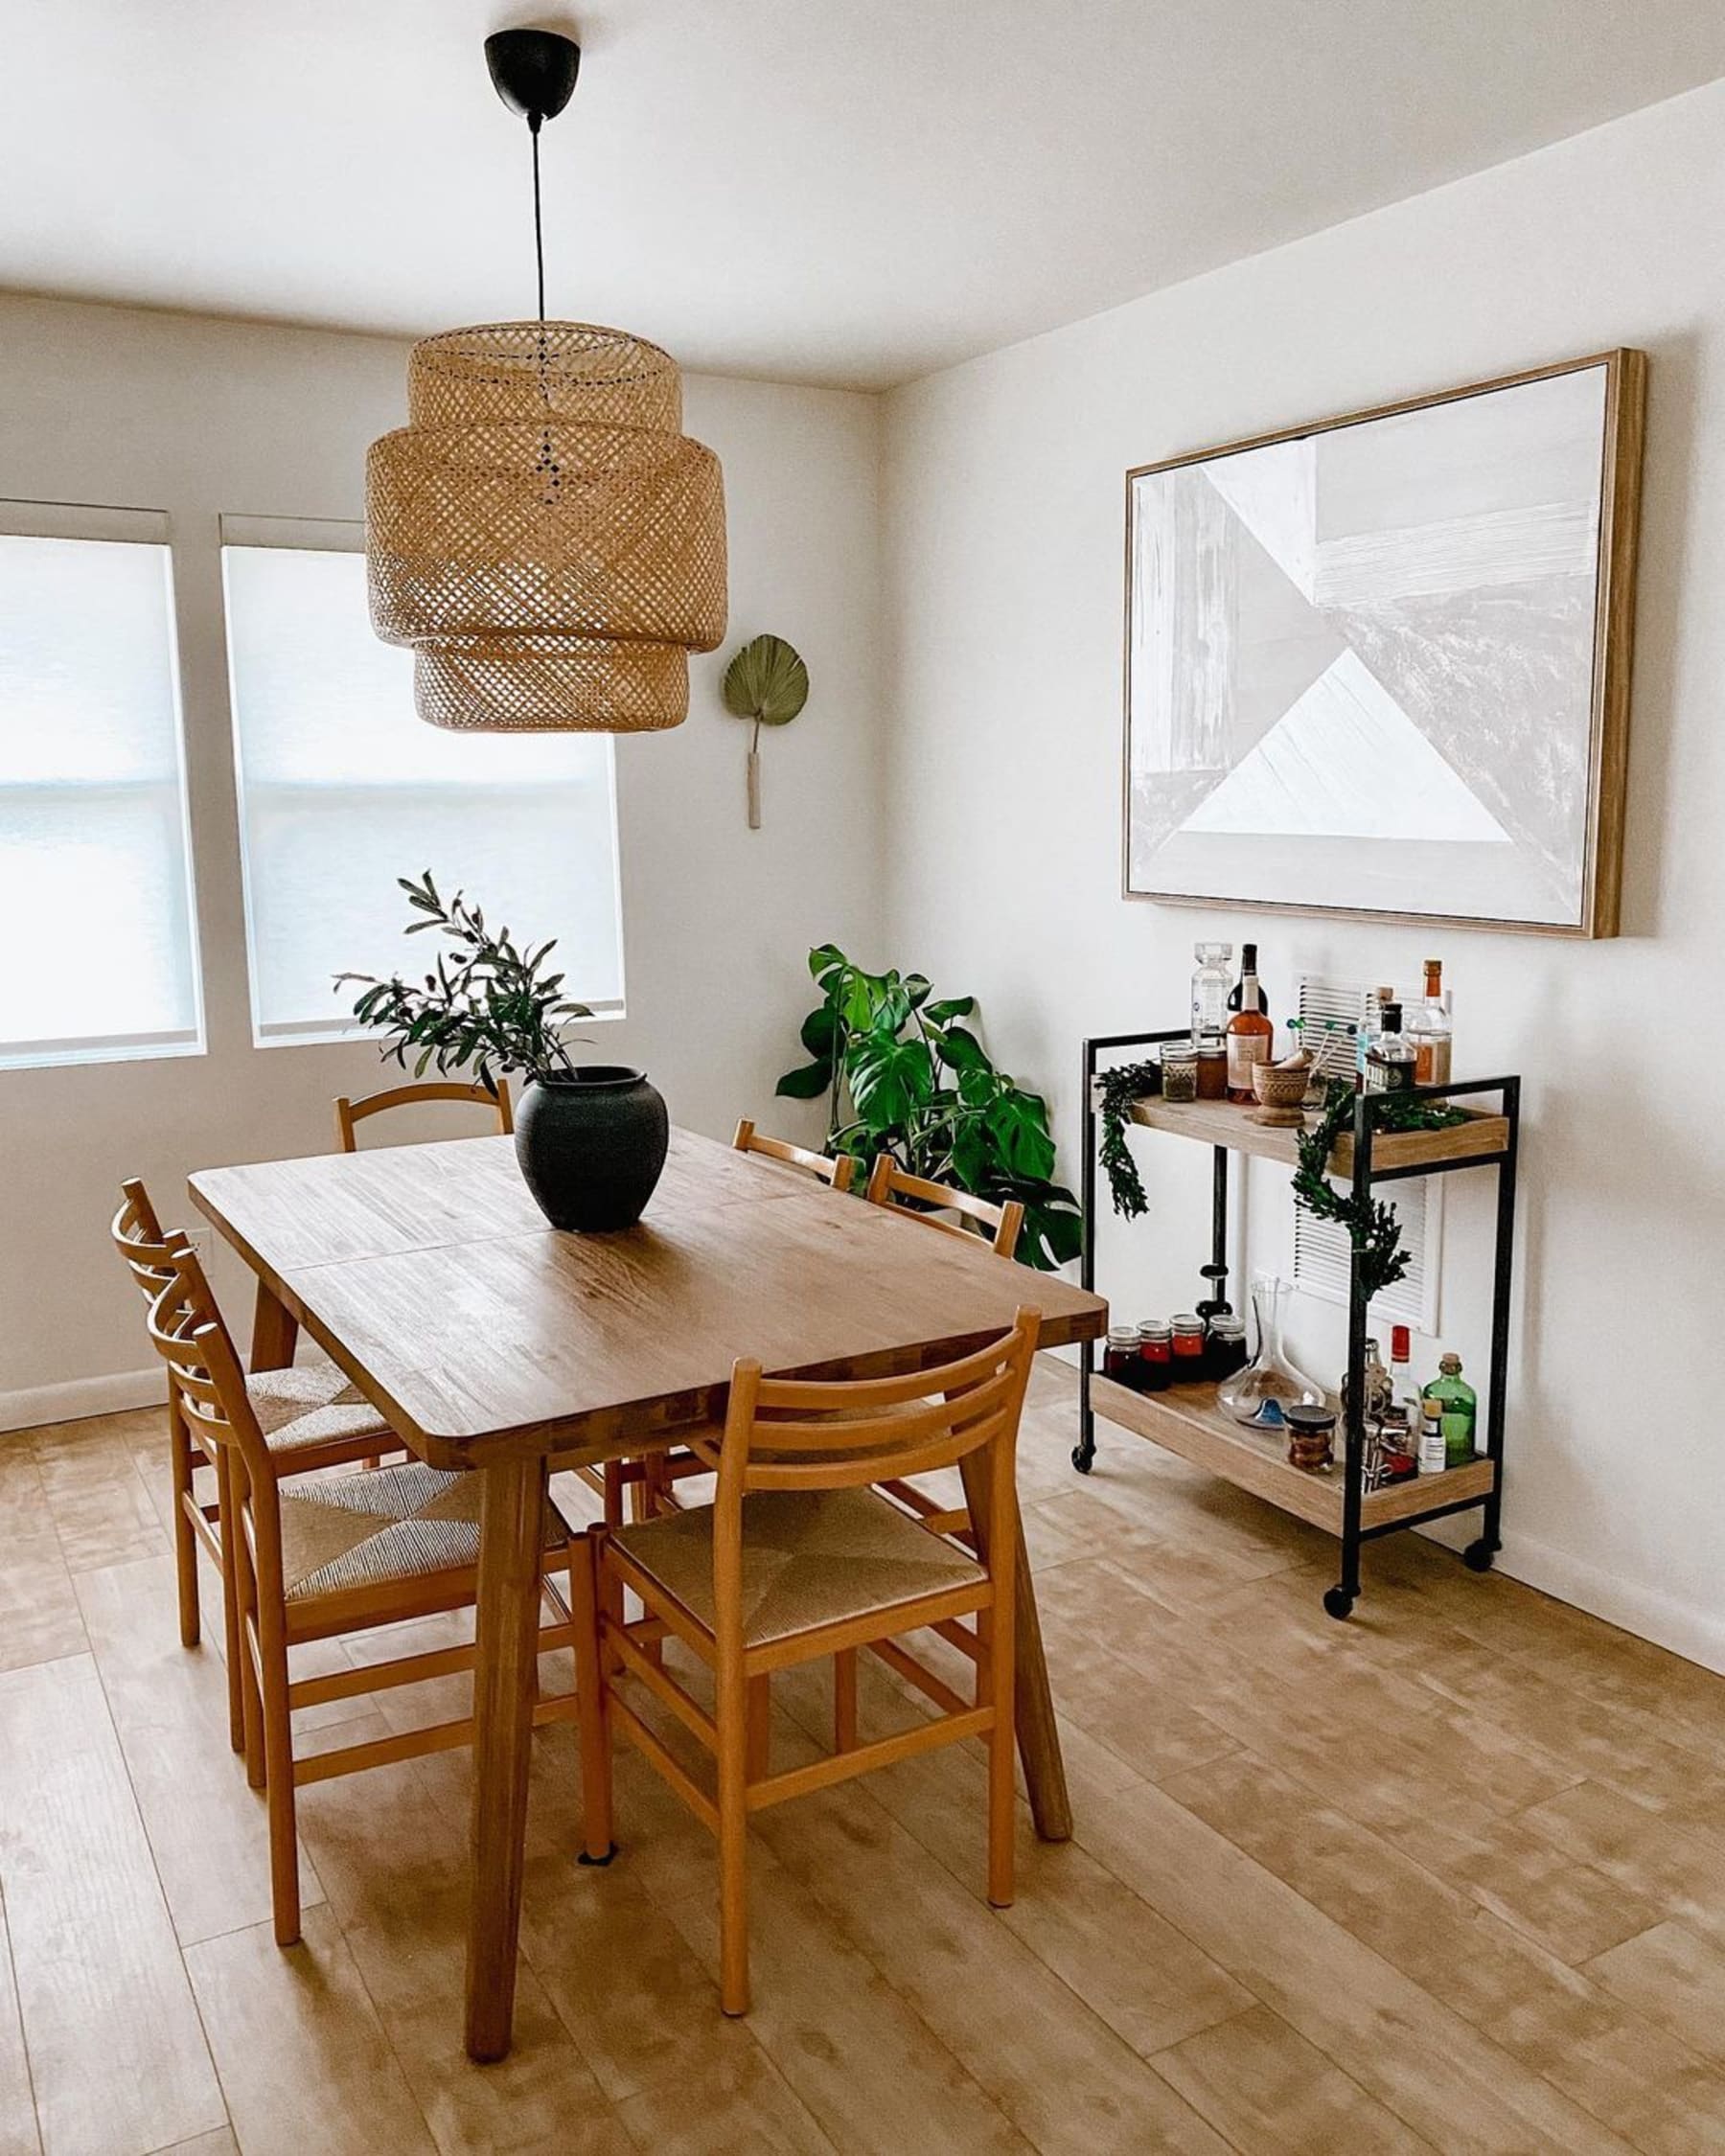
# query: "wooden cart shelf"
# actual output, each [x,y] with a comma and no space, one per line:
[1219,1122]
[1186,1420]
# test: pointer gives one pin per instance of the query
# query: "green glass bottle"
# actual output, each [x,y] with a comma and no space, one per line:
[1459,1407]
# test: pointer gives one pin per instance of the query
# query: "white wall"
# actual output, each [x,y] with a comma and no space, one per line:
[1003,499]
[195,418]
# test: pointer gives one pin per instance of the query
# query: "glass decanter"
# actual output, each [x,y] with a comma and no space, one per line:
[1270,1382]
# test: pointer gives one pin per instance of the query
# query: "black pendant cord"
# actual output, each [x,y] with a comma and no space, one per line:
[539,229]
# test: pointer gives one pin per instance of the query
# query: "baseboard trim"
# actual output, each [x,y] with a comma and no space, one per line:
[36,1405]
[1682,1628]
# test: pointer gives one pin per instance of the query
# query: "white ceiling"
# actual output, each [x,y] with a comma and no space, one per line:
[841,191]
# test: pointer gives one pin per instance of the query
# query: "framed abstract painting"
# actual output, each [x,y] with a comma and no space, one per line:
[1380,666]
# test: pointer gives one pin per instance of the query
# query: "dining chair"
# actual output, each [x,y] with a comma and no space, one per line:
[310,1417]
[652,1479]
[838,1169]
[800,1559]
[349,1113]
[340,1555]
[924,1202]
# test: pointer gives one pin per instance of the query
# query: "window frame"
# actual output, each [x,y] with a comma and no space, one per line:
[108,523]
[298,535]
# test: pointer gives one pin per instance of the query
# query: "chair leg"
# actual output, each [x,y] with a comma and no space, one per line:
[1002,1818]
[733,1844]
[278,1754]
[759,1748]
[594,1721]
[185,1541]
[844,1700]
[613,1493]
[233,1638]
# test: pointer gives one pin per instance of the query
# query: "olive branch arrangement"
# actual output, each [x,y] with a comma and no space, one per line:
[1372,1224]
[486,1001]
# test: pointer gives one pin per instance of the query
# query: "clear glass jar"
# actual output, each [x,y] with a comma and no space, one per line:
[1213,1071]
[1225,1349]
[1188,1347]
[1120,1355]
[1258,1395]
[1210,986]
[1155,1355]
[1179,1072]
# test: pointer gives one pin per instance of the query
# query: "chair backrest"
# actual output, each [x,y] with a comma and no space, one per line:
[206,1377]
[350,1112]
[835,1171]
[139,1239]
[781,1433]
[889,1184]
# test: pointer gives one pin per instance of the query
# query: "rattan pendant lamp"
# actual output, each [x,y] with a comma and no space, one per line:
[542,534]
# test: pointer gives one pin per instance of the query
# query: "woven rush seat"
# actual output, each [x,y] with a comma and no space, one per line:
[810,1558]
[387,1524]
[312,1406]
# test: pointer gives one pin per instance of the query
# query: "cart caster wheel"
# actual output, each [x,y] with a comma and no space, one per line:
[1477,1556]
[1081,1459]
[1337,1604]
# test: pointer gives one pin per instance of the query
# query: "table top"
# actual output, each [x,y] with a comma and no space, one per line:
[430,1275]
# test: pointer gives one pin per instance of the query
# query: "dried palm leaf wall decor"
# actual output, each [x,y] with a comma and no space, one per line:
[543,535]
[766,683]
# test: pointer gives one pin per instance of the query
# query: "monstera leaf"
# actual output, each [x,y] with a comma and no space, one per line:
[765,681]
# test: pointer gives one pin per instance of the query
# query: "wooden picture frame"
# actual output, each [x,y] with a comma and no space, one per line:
[1532,564]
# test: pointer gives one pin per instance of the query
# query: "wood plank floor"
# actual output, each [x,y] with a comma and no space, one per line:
[1451,1876]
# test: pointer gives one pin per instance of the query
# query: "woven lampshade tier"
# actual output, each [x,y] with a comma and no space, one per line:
[543,535]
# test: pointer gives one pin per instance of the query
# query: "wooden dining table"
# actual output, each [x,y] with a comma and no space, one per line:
[493,1343]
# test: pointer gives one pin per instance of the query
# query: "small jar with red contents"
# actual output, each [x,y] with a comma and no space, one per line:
[1120,1359]
[1155,1355]
[1187,1364]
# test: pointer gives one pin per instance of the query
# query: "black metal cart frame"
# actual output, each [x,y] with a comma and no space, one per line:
[1339,1600]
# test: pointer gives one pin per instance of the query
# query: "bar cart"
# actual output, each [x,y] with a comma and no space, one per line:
[1187,1421]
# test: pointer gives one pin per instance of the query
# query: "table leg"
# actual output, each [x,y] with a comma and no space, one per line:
[275,1331]
[511,1545]
[1033,1704]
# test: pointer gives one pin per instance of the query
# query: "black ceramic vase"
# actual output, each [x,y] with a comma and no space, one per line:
[592,1146]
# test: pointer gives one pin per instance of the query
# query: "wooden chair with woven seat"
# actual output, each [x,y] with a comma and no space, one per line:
[926,1202]
[310,1417]
[650,1482]
[350,1113]
[798,1558]
[340,1555]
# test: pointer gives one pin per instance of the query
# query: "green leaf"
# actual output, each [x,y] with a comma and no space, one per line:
[766,683]
[1017,1122]
[951,1007]
[808,1083]
[889,1079]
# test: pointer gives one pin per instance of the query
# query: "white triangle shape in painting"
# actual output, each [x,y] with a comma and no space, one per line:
[1345,761]
[1273,492]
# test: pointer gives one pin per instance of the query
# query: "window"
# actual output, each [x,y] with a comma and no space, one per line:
[95,868]
[342,789]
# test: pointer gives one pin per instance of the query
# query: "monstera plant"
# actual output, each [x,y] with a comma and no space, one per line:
[767,684]
[902,1072]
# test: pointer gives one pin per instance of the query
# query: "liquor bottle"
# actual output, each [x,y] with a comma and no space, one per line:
[1248,965]
[1370,1026]
[1429,1030]
[1210,990]
[1459,1406]
[1433,1456]
[1377,1392]
[1250,1033]
[1390,1060]
[1401,1354]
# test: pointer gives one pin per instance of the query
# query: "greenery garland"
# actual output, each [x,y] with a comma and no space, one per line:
[1372,1225]
[1118,1090]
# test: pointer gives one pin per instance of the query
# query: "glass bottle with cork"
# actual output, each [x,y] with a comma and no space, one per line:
[1250,1035]
[1429,1030]
[1457,1407]
[1389,1061]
